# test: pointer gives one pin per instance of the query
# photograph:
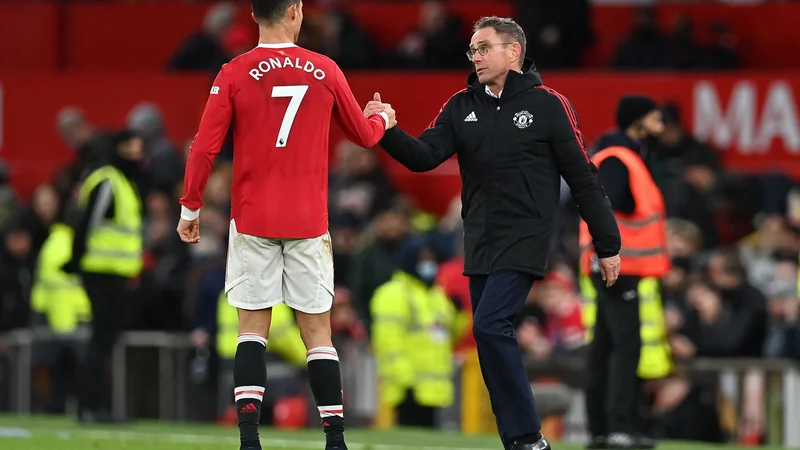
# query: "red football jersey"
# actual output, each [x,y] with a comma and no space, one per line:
[279,99]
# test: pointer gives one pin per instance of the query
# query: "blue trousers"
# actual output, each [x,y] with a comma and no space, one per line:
[496,301]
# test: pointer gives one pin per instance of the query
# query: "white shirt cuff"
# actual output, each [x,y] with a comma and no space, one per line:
[385,118]
[188,214]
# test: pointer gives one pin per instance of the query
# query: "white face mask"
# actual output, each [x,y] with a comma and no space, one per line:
[427,270]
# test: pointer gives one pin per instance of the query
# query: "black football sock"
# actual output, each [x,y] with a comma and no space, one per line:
[249,377]
[326,385]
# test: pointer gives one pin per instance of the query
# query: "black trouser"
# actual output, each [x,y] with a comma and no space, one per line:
[497,299]
[109,297]
[412,414]
[613,385]
[62,374]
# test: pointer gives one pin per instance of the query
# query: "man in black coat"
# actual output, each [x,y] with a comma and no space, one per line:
[515,138]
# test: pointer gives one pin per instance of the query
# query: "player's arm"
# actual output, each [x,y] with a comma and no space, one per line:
[433,147]
[363,131]
[207,142]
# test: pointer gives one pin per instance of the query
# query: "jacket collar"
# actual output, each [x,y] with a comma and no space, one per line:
[516,82]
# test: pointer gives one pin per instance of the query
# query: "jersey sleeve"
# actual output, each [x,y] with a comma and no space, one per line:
[363,131]
[207,143]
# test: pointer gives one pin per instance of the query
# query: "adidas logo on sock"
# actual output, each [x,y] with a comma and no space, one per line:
[471,117]
[249,408]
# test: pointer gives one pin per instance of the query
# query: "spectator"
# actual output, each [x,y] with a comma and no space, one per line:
[436,43]
[758,250]
[205,50]
[41,214]
[345,325]
[675,151]
[166,264]
[783,308]
[359,184]
[684,51]
[88,143]
[345,228]
[733,313]
[722,54]
[558,32]
[646,47]
[162,157]
[8,198]
[343,40]
[375,263]
[16,274]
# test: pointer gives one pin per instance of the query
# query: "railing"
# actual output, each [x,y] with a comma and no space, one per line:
[782,379]
[782,385]
[172,376]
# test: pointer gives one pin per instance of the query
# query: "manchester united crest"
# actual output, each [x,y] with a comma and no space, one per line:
[523,119]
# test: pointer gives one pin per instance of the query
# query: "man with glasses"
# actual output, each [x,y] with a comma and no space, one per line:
[515,138]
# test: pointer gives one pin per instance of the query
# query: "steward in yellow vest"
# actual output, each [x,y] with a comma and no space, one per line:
[414,329]
[57,295]
[60,299]
[107,252]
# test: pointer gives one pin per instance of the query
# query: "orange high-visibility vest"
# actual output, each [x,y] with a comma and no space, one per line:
[644,234]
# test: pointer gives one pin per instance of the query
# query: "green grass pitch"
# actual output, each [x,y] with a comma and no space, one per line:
[45,433]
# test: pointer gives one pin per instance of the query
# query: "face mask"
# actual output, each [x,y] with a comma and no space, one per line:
[426,270]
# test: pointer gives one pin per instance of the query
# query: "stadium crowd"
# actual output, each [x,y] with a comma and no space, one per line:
[733,238]
[559,35]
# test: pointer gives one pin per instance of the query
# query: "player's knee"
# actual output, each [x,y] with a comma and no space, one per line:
[315,329]
[256,321]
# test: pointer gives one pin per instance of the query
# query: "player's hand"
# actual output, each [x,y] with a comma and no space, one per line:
[609,269]
[387,108]
[375,106]
[189,231]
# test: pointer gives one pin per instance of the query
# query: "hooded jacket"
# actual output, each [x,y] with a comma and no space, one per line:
[512,152]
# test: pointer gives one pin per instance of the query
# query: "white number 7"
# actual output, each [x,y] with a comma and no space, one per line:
[296,93]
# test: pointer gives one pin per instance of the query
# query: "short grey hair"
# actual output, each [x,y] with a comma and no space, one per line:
[506,27]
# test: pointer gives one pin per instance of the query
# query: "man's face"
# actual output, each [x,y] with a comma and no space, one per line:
[652,123]
[18,243]
[499,56]
[132,150]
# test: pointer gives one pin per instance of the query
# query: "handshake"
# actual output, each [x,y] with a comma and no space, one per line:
[376,106]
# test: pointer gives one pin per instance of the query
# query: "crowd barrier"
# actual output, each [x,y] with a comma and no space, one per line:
[782,381]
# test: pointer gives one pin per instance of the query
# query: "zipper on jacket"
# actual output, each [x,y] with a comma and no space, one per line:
[487,199]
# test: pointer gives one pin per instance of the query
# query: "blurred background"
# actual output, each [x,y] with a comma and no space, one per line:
[725,72]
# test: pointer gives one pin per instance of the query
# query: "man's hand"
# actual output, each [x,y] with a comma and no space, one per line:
[609,269]
[189,231]
[376,106]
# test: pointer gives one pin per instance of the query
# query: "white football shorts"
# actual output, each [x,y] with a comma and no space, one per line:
[262,272]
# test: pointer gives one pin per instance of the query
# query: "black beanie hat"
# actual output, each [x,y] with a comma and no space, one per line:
[632,108]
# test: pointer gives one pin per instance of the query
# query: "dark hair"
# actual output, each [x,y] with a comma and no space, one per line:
[731,262]
[505,27]
[271,11]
